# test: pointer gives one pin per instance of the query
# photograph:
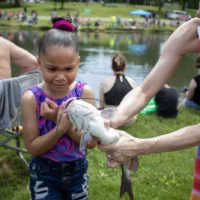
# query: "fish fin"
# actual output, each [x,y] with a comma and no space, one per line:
[133,164]
[108,113]
[126,184]
[85,139]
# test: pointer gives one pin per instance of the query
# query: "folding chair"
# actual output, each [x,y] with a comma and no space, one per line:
[11,91]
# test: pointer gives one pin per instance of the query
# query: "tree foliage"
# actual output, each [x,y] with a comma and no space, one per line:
[16,3]
[193,4]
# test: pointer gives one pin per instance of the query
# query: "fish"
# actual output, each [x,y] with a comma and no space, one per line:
[86,117]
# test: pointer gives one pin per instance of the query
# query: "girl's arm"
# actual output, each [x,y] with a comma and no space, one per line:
[36,144]
[22,58]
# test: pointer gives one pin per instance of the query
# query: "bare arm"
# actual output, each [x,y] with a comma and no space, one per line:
[34,142]
[23,58]
[128,147]
[173,52]
[11,53]
[88,95]
[178,140]
[190,93]
[5,64]
[50,110]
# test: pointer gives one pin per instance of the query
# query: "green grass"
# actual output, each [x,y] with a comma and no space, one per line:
[97,10]
[164,176]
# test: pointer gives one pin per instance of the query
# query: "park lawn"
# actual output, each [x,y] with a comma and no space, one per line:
[97,10]
[163,176]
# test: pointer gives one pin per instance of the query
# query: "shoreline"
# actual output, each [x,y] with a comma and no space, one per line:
[85,29]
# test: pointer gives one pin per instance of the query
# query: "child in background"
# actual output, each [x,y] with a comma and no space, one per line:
[58,169]
[167,101]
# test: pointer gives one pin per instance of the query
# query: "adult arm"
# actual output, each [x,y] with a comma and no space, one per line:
[22,58]
[11,53]
[172,53]
[5,64]
[128,146]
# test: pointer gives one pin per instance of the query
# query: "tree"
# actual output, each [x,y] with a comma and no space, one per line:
[159,4]
[183,3]
[62,4]
[14,2]
[193,4]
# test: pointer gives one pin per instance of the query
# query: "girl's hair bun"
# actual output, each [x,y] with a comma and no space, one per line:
[63,23]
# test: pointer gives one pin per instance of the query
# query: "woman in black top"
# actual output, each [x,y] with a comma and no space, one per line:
[114,88]
[193,93]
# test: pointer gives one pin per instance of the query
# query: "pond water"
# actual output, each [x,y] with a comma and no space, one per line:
[96,49]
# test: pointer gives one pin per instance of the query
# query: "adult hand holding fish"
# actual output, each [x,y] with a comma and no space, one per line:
[116,157]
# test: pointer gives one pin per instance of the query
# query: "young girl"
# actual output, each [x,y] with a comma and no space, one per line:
[58,169]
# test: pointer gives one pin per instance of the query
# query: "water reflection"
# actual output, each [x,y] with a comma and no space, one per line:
[142,50]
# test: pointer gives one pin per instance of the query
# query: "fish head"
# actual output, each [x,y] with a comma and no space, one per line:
[79,111]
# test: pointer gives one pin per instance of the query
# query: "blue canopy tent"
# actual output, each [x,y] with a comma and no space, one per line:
[141,13]
[138,49]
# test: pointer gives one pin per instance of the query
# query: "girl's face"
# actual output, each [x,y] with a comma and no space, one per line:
[59,67]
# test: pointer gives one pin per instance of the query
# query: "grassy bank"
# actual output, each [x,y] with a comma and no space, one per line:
[165,176]
[96,11]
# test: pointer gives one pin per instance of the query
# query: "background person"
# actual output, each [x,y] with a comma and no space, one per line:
[167,102]
[193,92]
[113,89]
[58,169]
[13,54]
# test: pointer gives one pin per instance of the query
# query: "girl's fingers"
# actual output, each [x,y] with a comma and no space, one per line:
[50,103]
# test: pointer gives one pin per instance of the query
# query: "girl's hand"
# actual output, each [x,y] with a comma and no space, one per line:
[49,110]
[63,125]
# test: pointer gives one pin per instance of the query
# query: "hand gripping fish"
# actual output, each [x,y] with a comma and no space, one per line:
[85,116]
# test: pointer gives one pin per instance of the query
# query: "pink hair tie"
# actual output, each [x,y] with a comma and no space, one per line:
[64,25]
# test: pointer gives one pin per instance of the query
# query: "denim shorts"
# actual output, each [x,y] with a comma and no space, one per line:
[51,180]
[192,104]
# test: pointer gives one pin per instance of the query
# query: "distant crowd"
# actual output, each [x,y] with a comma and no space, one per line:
[21,15]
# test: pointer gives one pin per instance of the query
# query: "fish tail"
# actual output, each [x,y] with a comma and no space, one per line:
[126,184]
